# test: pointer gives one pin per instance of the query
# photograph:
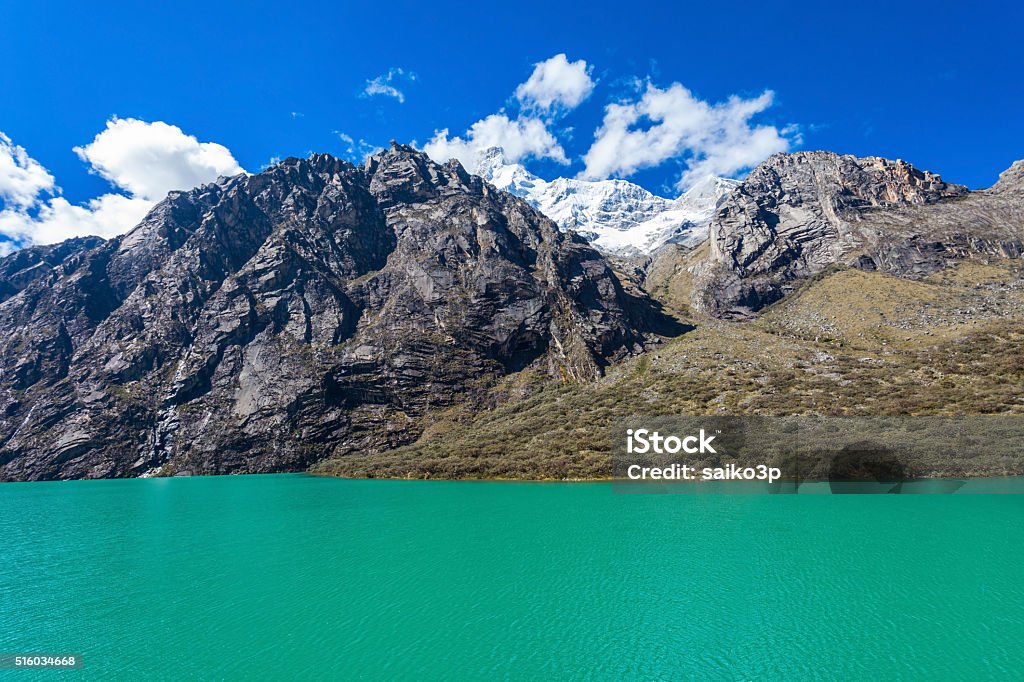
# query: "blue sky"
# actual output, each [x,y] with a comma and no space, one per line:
[937,84]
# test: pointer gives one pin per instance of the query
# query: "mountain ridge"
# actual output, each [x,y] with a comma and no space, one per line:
[798,213]
[617,216]
[326,312]
[266,321]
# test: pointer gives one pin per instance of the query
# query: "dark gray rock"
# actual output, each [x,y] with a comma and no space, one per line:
[35,263]
[316,309]
[1010,180]
[796,214]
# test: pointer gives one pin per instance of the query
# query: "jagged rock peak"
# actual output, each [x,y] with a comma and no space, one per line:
[34,263]
[805,200]
[315,308]
[798,213]
[853,181]
[1011,179]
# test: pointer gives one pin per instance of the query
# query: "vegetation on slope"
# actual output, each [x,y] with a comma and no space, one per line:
[847,343]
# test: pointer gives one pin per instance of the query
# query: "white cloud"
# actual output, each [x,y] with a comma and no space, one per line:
[58,219]
[521,138]
[357,150]
[375,87]
[384,84]
[145,160]
[556,82]
[657,125]
[148,160]
[713,139]
[22,178]
[555,86]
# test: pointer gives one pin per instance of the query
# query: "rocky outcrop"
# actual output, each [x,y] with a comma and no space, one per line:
[269,321]
[1010,180]
[39,263]
[796,214]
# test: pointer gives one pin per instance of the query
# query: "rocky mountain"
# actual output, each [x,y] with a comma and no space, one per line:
[892,291]
[406,318]
[616,216]
[28,265]
[797,214]
[316,309]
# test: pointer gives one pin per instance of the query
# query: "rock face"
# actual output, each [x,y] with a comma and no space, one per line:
[1010,180]
[39,263]
[796,214]
[616,216]
[268,321]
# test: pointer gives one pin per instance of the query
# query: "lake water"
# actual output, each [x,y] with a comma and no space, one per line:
[285,576]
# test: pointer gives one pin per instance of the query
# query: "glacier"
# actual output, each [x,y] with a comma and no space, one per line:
[616,216]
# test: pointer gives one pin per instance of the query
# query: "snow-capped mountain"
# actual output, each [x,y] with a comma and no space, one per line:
[615,215]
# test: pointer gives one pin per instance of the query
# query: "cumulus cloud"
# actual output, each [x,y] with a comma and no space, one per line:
[58,219]
[555,86]
[22,178]
[556,82]
[143,160]
[385,84]
[521,138]
[663,124]
[148,160]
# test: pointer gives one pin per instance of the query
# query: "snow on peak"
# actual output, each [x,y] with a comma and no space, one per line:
[511,177]
[617,216]
[709,190]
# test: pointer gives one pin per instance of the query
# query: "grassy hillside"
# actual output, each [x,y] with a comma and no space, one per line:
[847,343]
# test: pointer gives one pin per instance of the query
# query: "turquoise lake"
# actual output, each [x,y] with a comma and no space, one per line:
[291,576]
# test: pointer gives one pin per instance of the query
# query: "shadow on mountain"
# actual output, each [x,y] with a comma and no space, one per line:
[866,468]
[655,319]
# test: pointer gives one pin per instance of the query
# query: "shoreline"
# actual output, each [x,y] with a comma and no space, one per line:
[603,479]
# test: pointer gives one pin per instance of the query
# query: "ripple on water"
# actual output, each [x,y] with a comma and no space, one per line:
[283,576]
